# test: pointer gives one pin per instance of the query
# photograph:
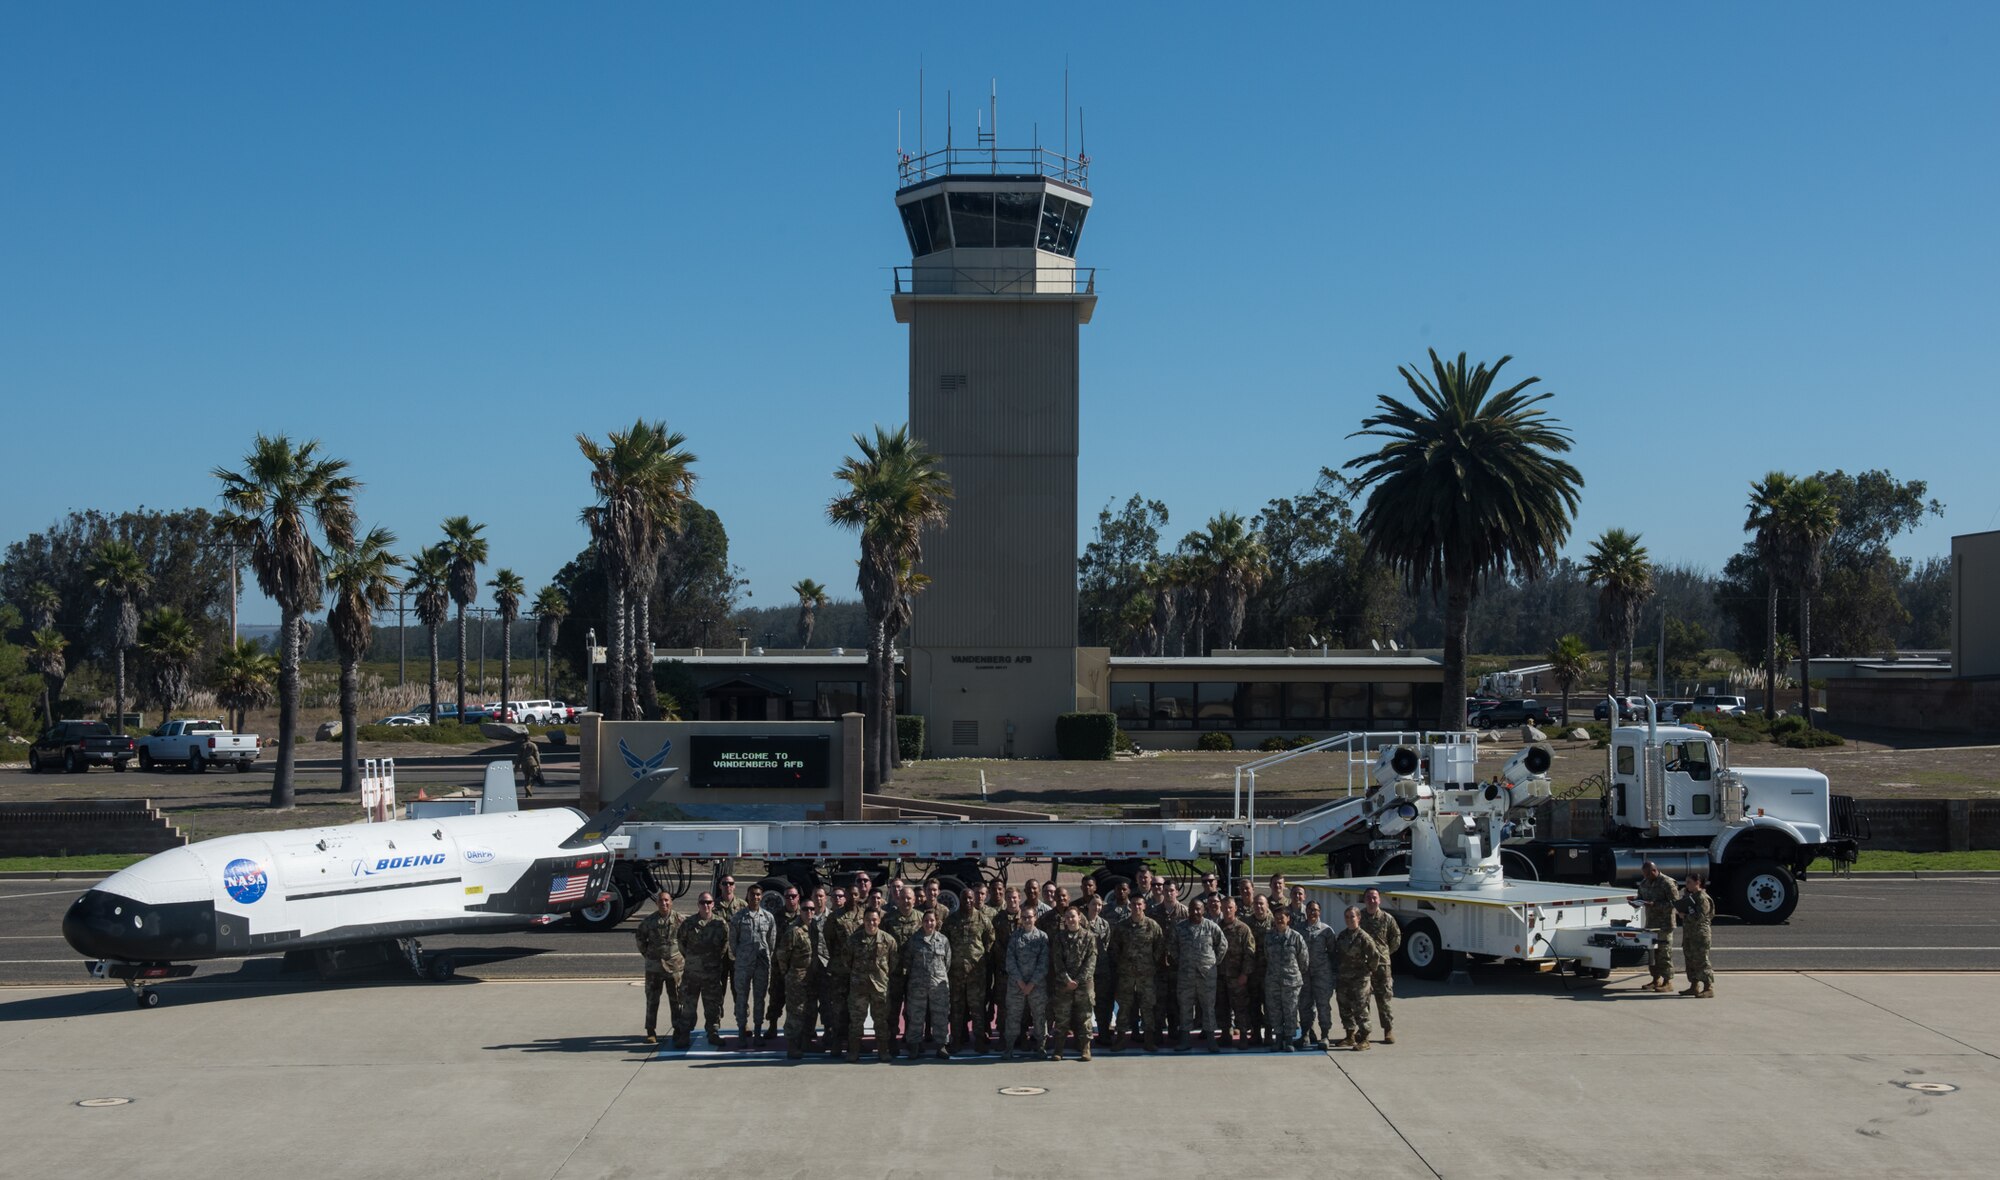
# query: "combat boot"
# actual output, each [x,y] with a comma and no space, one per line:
[1214,1045]
[1692,989]
[651,1038]
[1388,1035]
[1707,991]
[1361,1040]
[943,1053]
[1186,1043]
[1085,1055]
[1124,1042]
[1345,1042]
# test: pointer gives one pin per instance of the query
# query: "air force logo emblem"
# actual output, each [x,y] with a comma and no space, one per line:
[641,767]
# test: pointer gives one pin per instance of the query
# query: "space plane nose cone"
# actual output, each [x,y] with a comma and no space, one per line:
[91,926]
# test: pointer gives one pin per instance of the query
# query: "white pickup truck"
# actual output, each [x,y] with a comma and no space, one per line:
[197,745]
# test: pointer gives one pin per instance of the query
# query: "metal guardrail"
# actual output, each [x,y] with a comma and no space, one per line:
[995,280]
[992,161]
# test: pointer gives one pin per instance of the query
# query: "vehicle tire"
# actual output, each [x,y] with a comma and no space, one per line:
[119,765]
[1516,866]
[147,999]
[34,764]
[1108,882]
[145,760]
[1763,892]
[774,894]
[1600,972]
[241,767]
[1422,953]
[196,763]
[442,968]
[605,915]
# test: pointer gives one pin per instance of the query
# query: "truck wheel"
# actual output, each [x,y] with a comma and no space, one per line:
[240,766]
[1422,953]
[196,763]
[145,760]
[69,761]
[120,766]
[1763,893]
[605,915]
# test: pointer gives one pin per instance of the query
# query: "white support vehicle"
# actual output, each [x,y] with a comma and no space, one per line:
[197,745]
[1456,900]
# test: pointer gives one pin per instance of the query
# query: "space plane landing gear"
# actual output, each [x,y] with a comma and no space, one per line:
[437,968]
[138,977]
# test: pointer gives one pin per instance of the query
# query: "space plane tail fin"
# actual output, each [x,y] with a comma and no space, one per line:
[598,826]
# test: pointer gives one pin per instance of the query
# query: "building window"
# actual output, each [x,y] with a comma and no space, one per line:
[1173,706]
[914,227]
[1072,227]
[834,697]
[1263,706]
[1133,703]
[1014,218]
[1347,707]
[938,223]
[1430,705]
[1215,704]
[1395,704]
[1306,704]
[972,218]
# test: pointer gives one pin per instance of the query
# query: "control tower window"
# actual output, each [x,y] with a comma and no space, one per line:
[1062,221]
[915,229]
[940,223]
[1072,226]
[972,219]
[1014,218]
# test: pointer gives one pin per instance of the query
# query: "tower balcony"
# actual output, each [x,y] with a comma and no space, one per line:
[993,164]
[1026,279]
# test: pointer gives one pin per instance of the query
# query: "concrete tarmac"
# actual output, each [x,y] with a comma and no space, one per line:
[1780,1074]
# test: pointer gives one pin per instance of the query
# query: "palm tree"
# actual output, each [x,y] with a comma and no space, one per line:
[242,679]
[45,656]
[551,608]
[1163,579]
[1569,663]
[1195,583]
[507,590]
[171,646]
[1809,516]
[283,491]
[44,603]
[117,569]
[1237,564]
[894,491]
[812,596]
[642,478]
[467,550]
[359,578]
[1466,487]
[1623,574]
[1765,496]
[430,582]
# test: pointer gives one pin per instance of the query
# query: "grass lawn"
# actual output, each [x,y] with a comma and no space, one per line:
[1903,862]
[109,862]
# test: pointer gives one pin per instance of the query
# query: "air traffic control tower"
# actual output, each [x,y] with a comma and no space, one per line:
[994,298]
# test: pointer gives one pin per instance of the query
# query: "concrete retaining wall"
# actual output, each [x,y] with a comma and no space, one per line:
[85,827]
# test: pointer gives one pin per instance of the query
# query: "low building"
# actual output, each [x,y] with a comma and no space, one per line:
[1930,695]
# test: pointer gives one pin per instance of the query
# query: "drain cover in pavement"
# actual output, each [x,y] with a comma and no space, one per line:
[104,1102]
[1929,1087]
[1023,1091]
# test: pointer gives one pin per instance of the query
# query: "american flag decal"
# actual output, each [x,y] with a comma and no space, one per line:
[570,888]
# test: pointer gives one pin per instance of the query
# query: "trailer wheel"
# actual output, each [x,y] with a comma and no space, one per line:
[1423,953]
[605,915]
[1108,882]
[1763,892]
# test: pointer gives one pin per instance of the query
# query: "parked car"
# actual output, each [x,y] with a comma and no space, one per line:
[561,713]
[1719,703]
[196,745]
[1629,709]
[536,712]
[76,746]
[423,713]
[1673,709]
[1522,712]
[404,719]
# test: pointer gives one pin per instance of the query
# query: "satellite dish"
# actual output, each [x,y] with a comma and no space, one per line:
[1392,646]
[1376,644]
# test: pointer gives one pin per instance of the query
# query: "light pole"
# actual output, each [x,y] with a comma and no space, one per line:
[402,637]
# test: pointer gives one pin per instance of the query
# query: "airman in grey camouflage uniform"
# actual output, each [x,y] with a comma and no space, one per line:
[1198,947]
[1072,978]
[660,944]
[1285,967]
[1357,956]
[797,962]
[1317,1012]
[1027,962]
[902,925]
[1140,947]
[1382,926]
[705,948]
[1697,914]
[753,936]
[927,970]
[871,956]
[1656,890]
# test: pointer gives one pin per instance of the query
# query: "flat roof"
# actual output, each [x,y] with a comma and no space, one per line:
[1214,663]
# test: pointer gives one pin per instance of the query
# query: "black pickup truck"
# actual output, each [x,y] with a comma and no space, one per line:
[76,746]
[1516,713]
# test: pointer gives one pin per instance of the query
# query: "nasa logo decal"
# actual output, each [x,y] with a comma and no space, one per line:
[477,856]
[245,880]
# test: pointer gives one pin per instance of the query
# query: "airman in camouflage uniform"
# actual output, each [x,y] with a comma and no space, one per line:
[840,929]
[1656,890]
[1285,966]
[797,962]
[871,956]
[1005,921]
[705,948]
[1140,947]
[1027,962]
[1072,984]
[1104,989]
[1168,911]
[1388,934]
[970,933]
[753,935]
[1357,957]
[793,911]
[902,924]
[1316,1013]
[1697,913]
[927,971]
[1198,947]
[1238,961]
[660,944]
[1260,922]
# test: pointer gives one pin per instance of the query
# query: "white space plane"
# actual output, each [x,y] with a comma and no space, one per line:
[346,895]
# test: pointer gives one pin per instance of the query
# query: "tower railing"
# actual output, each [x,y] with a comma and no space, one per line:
[996,280]
[990,162]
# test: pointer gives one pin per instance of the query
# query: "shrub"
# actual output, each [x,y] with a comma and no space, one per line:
[1809,739]
[1304,739]
[1215,739]
[1086,737]
[447,733]
[1122,743]
[1788,725]
[909,736]
[1272,745]
[1737,727]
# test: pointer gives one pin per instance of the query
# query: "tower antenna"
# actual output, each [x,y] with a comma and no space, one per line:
[920,106]
[1065,108]
[947,123]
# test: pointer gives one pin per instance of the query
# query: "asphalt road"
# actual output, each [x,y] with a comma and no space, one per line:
[1854,924]
[139,783]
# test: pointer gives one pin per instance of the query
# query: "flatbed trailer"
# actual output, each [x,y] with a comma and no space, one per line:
[1589,928]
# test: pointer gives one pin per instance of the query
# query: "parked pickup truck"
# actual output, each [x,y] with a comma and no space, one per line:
[197,745]
[1516,713]
[76,746]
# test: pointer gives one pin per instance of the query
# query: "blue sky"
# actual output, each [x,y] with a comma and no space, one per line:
[445,238]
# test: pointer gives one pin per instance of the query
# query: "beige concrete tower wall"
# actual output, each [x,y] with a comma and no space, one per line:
[970,697]
[1975,604]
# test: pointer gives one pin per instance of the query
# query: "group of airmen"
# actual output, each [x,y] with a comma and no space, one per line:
[1032,969]
[1692,909]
